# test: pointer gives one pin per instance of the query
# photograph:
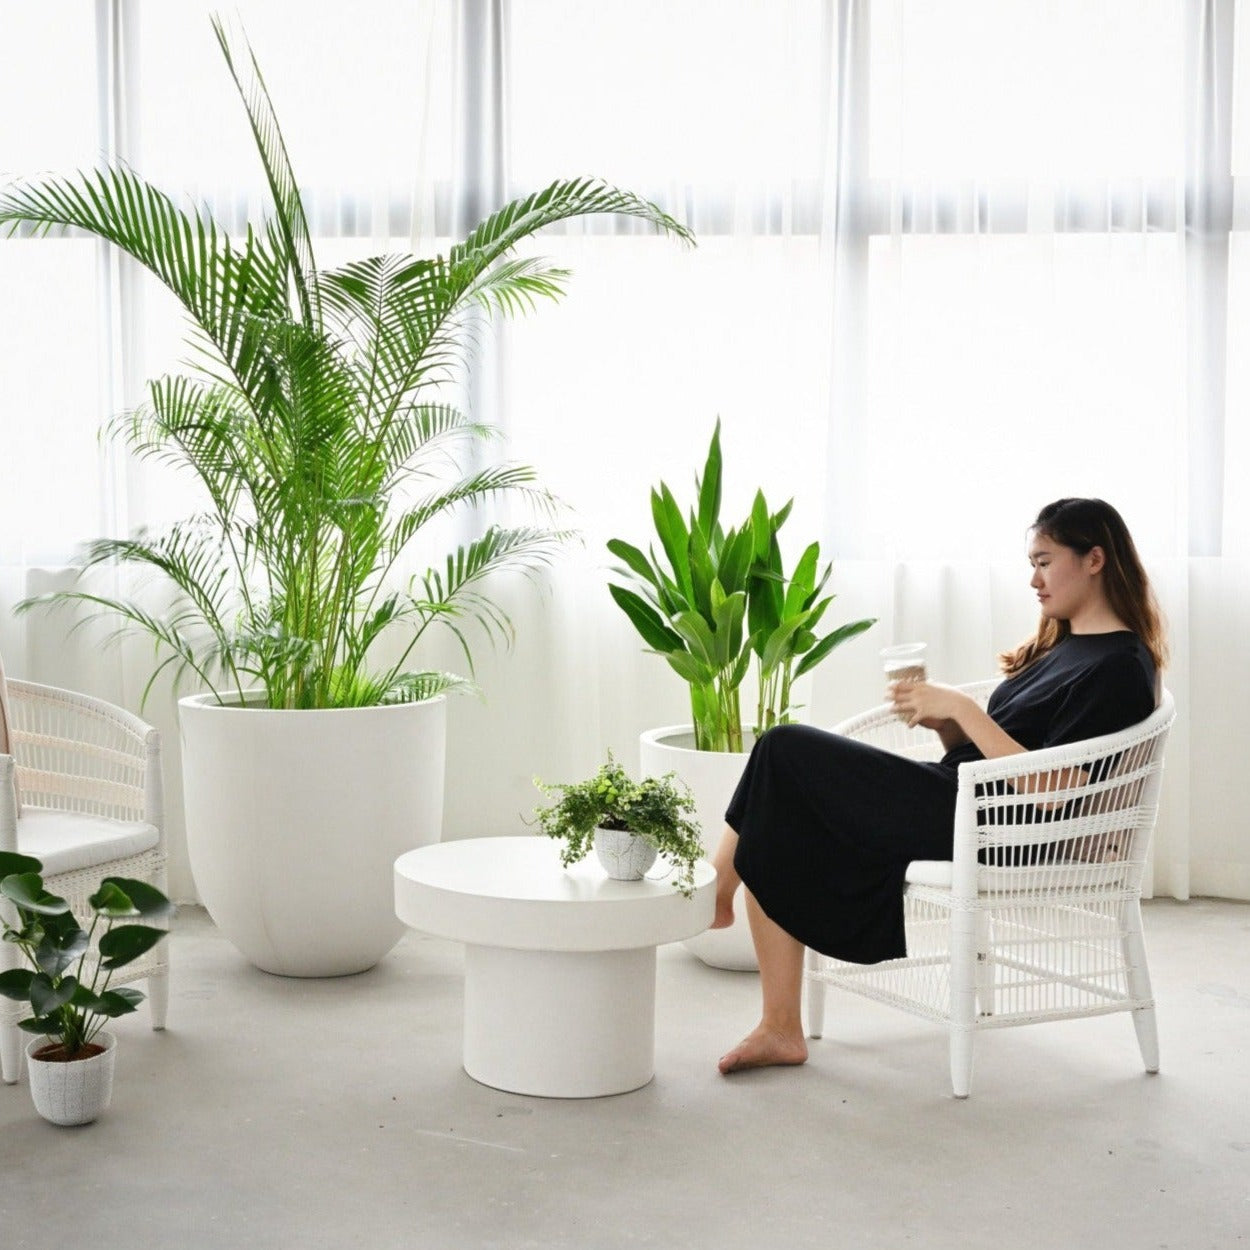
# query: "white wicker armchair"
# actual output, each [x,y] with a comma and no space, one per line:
[88,778]
[1038,916]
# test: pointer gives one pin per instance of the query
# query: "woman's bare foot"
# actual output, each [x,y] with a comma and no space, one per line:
[765,1048]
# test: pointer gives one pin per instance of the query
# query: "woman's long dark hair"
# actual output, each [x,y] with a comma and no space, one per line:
[1083,524]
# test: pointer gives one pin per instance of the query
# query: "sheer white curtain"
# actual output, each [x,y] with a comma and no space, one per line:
[954,261]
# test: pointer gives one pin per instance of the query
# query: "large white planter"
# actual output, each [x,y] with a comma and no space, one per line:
[712,777]
[72,1093]
[295,820]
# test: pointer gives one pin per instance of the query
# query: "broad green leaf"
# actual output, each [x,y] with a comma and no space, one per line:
[820,585]
[645,620]
[777,648]
[671,530]
[26,890]
[698,636]
[702,573]
[12,863]
[125,943]
[761,526]
[148,901]
[15,984]
[710,486]
[634,560]
[46,1025]
[58,951]
[827,644]
[802,642]
[728,618]
[766,596]
[802,581]
[736,560]
[47,996]
[114,1003]
[86,999]
[112,901]
[688,668]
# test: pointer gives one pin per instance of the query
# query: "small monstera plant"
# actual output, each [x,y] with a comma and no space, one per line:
[67,981]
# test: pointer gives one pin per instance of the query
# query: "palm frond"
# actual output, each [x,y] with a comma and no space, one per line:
[223,286]
[420,439]
[578,197]
[289,218]
[516,286]
[416,687]
[512,479]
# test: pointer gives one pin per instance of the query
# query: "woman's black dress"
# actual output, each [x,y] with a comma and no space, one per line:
[827,826]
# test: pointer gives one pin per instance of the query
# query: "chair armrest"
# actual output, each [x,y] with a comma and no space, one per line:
[881,726]
[84,752]
[1110,790]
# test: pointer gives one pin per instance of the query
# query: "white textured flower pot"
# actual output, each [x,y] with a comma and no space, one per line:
[624,855]
[712,777]
[295,820]
[75,1092]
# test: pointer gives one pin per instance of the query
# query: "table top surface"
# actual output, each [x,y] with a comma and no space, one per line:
[514,892]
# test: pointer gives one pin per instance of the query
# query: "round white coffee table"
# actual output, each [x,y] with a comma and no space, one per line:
[559,994]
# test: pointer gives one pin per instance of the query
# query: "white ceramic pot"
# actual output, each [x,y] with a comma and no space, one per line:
[624,855]
[75,1092]
[712,777]
[295,820]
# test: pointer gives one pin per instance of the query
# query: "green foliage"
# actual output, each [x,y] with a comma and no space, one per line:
[66,984]
[719,597]
[653,808]
[313,427]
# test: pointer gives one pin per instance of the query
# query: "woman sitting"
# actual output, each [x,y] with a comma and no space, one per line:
[821,828]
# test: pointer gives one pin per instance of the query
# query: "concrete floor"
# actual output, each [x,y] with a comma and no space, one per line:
[282,1113]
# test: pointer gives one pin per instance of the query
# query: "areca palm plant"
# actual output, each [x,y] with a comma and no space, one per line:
[315,423]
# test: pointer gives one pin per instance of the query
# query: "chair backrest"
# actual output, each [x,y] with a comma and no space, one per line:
[1104,814]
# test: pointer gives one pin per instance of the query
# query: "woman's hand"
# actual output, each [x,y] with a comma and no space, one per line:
[930,705]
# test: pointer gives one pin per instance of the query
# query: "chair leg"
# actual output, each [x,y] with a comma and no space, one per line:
[10,1052]
[1138,973]
[985,966]
[815,998]
[158,997]
[964,982]
[961,1061]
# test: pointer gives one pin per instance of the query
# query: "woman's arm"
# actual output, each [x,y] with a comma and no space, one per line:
[959,718]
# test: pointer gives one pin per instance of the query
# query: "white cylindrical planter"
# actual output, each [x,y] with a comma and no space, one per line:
[75,1092]
[712,777]
[295,819]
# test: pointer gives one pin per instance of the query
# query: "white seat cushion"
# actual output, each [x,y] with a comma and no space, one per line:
[69,841]
[935,872]
[1071,874]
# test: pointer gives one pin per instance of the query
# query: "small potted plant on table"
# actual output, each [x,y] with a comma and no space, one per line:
[627,822]
[67,982]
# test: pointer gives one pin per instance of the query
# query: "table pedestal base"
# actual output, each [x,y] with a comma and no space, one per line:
[559,1024]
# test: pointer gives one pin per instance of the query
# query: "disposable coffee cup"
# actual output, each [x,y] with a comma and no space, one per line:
[904,662]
